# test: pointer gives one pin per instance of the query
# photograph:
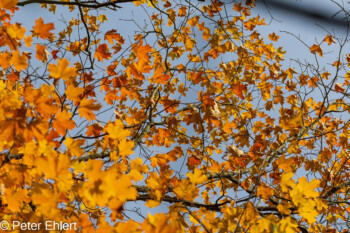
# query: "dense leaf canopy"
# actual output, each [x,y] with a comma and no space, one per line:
[189,122]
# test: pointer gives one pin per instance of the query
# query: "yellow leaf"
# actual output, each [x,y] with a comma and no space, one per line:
[249,214]
[287,225]
[45,200]
[137,168]
[193,21]
[185,189]
[15,198]
[286,181]
[284,208]
[285,164]
[74,146]
[197,177]
[125,147]
[19,61]
[116,130]
[61,70]
[308,211]
[5,60]
[152,203]
[264,191]
[308,188]
[129,226]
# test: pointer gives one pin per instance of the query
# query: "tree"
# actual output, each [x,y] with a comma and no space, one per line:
[196,113]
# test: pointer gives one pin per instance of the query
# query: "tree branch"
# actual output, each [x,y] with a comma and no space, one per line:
[170,199]
[88,4]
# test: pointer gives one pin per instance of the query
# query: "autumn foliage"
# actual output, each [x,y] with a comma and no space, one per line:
[193,123]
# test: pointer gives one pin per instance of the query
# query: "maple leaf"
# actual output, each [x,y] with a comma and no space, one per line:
[264,191]
[197,177]
[285,164]
[102,52]
[339,88]
[137,168]
[316,49]
[74,146]
[116,130]
[28,41]
[126,147]
[329,39]
[94,129]
[45,200]
[249,214]
[74,93]
[193,21]
[5,60]
[308,211]
[8,4]
[19,61]
[273,37]
[284,208]
[292,122]
[62,70]
[15,198]
[287,225]
[86,107]
[185,189]
[159,76]
[42,30]
[41,53]
[239,89]
[113,35]
[63,122]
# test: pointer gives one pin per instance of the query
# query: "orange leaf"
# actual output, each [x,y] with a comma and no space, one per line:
[86,107]
[159,76]
[316,49]
[238,89]
[63,122]
[8,4]
[142,52]
[41,53]
[42,30]
[74,93]
[94,130]
[74,146]
[5,60]
[193,21]
[329,39]
[339,88]
[113,35]
[273,37]
[28,41]
[196,77]
[102,52]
